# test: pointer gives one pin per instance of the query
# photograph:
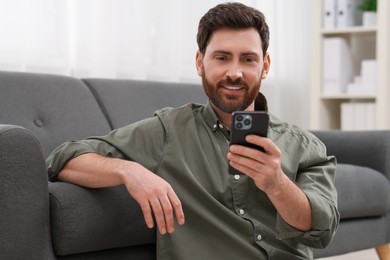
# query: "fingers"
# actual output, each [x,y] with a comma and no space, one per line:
[247,165]
[177,207]
[163,208]
[244,155]
[156,197]
[162,215]
[271,150]
[264,142]
[147,212]
[252,161]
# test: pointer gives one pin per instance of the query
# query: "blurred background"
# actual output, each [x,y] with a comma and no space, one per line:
[149,40]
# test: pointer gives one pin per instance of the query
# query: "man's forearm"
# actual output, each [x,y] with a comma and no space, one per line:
[94,171]
[293,205]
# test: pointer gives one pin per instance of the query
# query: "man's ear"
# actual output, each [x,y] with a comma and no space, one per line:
[199,63]
[266,66]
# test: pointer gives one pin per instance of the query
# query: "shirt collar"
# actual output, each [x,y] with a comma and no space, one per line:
[261,103]
[211,117]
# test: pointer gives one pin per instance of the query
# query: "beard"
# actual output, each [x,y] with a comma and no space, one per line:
[230,103]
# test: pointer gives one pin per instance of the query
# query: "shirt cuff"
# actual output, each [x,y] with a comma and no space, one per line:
[325,219]
[64,153]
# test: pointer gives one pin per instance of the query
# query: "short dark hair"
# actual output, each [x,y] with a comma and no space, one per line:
[235,16]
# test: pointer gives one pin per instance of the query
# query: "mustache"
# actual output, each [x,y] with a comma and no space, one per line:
[229,81]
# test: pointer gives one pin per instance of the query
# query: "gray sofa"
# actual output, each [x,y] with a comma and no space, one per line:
[43,220]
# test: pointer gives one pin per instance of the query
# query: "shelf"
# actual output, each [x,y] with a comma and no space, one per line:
[349,30]
[349,96]
[365,43]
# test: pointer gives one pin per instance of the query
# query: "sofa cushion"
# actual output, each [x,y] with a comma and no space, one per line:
[128,101]
[86,220]
[55,108]
[362,192]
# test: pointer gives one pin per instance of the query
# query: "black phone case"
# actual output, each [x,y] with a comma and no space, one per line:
[259,126]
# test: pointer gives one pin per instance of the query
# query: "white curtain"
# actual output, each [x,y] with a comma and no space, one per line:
[148,39]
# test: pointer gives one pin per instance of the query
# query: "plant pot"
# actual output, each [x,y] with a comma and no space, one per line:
[369,18]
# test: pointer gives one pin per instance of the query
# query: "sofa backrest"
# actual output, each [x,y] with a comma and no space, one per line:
[55,108]
[60,108]
[128,101]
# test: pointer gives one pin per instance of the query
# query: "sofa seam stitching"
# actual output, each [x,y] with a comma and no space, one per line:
[99,101]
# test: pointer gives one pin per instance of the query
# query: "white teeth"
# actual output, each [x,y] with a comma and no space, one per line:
[232,87]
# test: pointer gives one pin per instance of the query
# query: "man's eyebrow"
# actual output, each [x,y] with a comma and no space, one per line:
[221,52]
[248,53]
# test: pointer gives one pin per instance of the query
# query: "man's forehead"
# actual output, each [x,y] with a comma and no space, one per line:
[229,40]
[226,38]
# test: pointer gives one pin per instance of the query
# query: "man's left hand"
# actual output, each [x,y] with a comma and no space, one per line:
[263,167]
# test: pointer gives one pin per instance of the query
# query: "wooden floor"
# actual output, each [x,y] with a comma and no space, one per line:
[360,255]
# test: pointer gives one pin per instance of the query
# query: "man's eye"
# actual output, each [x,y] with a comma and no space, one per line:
[249,60]
[220,58]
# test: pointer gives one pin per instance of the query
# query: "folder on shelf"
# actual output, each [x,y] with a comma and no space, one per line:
[347,116]
[358,116]
[365,84]
[337,66]
[329,9]
[368,72]
[348,13]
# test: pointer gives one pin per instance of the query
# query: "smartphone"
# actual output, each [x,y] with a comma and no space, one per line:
[246,123]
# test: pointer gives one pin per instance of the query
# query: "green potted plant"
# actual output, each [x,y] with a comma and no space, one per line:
[368,7]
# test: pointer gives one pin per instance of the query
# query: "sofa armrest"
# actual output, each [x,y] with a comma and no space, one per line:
[85,219]
[24,201]
[365,148]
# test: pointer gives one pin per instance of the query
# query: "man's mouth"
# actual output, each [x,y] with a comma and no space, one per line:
[233,87]
[232,90]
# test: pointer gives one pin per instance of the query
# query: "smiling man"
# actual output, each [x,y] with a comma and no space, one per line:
[175,164]
[235,66]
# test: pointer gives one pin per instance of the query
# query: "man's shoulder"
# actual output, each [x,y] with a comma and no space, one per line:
[282,128]
[189,108]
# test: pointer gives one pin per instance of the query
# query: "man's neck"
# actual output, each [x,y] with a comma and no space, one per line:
[226,118]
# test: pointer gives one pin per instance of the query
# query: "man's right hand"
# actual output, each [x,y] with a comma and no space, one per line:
[155,196]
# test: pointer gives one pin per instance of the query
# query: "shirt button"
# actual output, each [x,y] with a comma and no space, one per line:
[241,211]
[259,237]
[237,177]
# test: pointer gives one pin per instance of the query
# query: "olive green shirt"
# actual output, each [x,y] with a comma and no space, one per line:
[227,216]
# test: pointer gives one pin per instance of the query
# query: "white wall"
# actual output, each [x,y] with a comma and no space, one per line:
[149,39]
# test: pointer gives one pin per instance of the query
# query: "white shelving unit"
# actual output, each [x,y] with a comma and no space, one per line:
[366,43]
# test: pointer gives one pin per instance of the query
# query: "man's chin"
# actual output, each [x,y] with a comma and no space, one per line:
[229,107]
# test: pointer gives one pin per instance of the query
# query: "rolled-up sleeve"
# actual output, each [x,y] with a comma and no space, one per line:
[142,142]
[315,177]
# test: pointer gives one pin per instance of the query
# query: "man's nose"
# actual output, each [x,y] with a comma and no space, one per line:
[234,72]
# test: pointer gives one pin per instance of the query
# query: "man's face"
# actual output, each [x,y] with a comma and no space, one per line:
[232,68]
